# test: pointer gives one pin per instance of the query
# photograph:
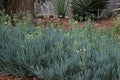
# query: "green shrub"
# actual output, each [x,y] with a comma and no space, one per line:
[14,20]
[58,54]
[61,7]
[24,20]
[5,19]
[88,8]
[116,26]
[117,9]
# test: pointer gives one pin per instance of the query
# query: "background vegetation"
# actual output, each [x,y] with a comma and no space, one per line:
[49,53]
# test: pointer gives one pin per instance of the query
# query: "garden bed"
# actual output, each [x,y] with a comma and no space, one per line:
[58,54]
[102,23]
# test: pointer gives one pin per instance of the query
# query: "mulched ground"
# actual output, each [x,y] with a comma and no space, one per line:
[102,23]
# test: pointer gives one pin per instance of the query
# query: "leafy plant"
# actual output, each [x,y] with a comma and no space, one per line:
[57,54]
[24,20]
[116,25]
[88,8]
[60,7]
[117,9]
[5,19]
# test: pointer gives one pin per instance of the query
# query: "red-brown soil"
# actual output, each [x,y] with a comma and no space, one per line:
[105,22]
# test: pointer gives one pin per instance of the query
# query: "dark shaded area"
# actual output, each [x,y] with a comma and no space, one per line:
[17,6]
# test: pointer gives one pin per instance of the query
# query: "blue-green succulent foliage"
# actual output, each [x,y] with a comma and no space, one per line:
[58,54]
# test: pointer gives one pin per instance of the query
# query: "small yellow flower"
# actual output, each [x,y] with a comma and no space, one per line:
[80,49]
[66,17]
[76,22]
[84,49]
[5,22]
[77,51]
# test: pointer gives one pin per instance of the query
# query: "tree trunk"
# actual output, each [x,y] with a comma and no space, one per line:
[19,6]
